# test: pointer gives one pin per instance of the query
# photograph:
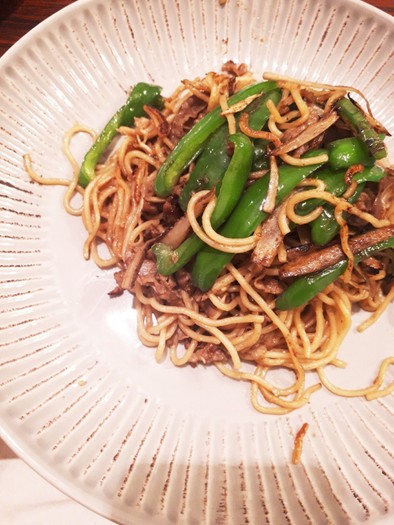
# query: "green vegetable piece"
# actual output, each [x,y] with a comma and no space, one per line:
[360,126]
[246,217]
[343,153]
[141,95]
[258,111]
[169,261]
[325,227]
[190,146]
[214,159]
[210,166]
[307,287]
[234,179]
[260,157]
[336,185]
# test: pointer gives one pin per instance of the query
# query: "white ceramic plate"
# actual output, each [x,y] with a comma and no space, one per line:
[80,399]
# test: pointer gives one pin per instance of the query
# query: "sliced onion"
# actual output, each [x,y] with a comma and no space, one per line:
[269,202]
[270,239]
[312,131]
[239,106]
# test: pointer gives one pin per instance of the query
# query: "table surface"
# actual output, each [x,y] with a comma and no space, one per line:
[17,17]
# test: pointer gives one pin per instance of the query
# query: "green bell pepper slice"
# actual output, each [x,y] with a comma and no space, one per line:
[142,94]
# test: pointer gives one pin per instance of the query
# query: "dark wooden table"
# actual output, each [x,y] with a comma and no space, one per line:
[17,17]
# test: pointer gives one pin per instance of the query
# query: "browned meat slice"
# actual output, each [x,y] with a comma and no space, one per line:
[271,285]
[184,281]
[118,290]
[321,259]
[207,354]
[163,288]
[171,211]
[188,113]
[294,253]
[385,197]
[365,204]
[372,265]
[234,69]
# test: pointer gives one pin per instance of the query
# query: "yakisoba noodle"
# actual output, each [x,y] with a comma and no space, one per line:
[235,323]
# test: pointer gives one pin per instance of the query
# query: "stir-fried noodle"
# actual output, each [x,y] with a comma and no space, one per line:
[235,323]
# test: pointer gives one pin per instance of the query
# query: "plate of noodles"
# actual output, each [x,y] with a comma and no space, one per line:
[197,259]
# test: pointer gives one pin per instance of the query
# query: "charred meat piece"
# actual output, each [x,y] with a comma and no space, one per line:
[321,259]
[187,115]
[207,354]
